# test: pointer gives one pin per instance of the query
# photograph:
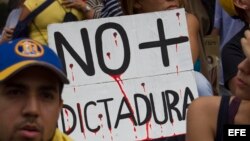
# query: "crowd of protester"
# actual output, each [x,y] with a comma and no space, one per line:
[224,18]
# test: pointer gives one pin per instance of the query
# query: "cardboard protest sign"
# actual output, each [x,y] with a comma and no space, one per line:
[212,47]
[131,76]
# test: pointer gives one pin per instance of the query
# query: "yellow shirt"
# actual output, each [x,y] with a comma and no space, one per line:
[59,136]
[54,13]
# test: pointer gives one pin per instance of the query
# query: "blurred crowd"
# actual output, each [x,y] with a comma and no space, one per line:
[215,74]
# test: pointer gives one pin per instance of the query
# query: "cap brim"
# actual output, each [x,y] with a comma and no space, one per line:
[14,69]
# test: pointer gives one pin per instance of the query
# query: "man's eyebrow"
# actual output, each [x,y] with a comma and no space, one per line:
[23,86]
[49,87]
[14,84]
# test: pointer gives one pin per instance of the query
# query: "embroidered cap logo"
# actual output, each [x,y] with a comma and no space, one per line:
[29,48]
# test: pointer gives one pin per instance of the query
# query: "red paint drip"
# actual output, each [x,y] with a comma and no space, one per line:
[176,46]
[72,74]
[81,122]
[134,129]
[143,86]
[148,125]
[147,130]
[108,54]
[172,122]
[71,67]
[178,16]
[67,115]
[110,130]
[115,35]
[177,69]
[118,80]
[100,117]
[69,130]
[135,132]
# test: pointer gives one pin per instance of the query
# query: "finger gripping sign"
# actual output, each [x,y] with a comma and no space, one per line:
[131,76]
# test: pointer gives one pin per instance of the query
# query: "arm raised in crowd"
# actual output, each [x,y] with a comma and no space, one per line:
[80,5]
[25,12]
[6,34]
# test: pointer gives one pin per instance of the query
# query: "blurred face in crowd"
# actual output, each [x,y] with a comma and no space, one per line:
[156,5]
[30,104]
[243,79]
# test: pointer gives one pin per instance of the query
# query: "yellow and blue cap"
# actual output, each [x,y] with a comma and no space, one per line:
[20,54]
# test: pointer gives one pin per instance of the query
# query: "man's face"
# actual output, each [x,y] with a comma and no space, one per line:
[29,106]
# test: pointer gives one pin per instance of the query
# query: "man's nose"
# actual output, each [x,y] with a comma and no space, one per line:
[31,106]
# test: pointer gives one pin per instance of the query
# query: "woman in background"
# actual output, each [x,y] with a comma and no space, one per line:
[54,13]
[144,6]
[217,111]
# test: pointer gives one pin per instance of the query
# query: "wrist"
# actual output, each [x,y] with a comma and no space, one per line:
[86,9]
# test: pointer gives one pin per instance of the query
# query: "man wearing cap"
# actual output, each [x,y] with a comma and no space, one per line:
[232,53]
[31,83]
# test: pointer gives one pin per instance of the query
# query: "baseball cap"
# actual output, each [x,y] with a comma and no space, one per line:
[20,54]
[228,6]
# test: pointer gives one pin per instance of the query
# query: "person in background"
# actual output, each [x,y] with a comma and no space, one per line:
[226,27]
[232,53]
[200,10]
[82,6]
[217,111]
[54,13]
[97,5]
[143,6]
[112,8]
[31,84]
[15,11]
[100,8]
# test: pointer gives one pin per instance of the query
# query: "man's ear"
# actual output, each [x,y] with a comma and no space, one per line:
[60,108]
[61,102]
[241,4]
